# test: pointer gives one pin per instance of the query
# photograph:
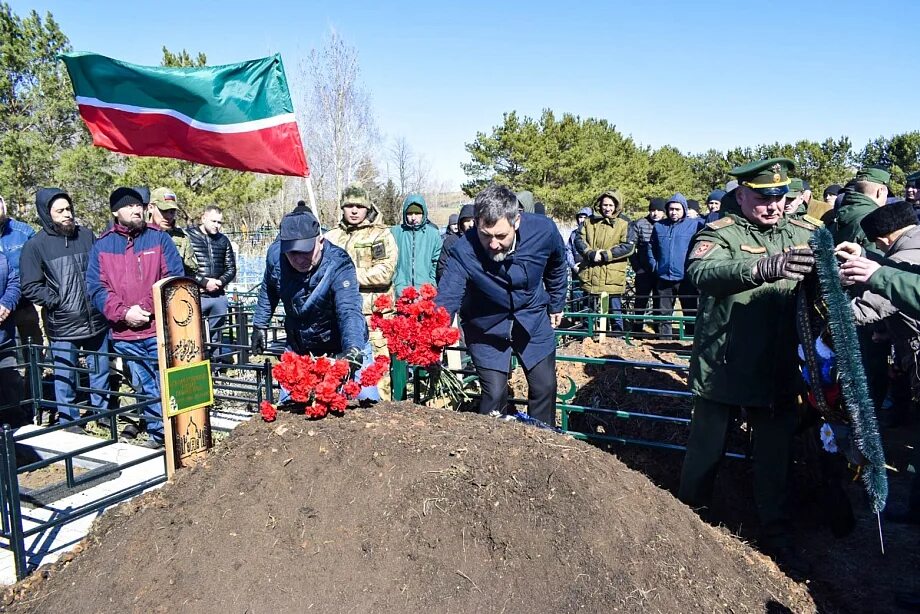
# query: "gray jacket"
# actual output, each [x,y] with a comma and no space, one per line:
[904,331]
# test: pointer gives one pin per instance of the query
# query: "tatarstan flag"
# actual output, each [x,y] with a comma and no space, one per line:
[236,116]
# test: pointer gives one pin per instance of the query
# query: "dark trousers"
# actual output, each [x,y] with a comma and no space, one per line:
[668,292]
[541,390]
[773,431]
[646,288]
[12,411]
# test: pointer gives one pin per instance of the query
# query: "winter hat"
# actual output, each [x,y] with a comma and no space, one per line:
[585,211]
[453,219]
[731,185]
[678,198]
[414,208]
[657,204]
[693,204]
[123,197]
[832,189]
[715,195]
[298,232]
[466,212]
[885,220]
[355,194]
[539,208]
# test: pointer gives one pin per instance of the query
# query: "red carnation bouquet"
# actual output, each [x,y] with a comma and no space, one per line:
[323,384]
[417,331]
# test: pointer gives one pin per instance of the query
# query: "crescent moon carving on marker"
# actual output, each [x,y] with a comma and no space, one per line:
[188,318]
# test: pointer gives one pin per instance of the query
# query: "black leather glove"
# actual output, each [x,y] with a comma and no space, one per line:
[257,341]
[793,265]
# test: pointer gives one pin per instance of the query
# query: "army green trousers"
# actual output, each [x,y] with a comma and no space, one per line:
[772,431]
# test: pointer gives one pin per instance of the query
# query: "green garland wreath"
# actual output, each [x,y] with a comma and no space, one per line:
[852,376]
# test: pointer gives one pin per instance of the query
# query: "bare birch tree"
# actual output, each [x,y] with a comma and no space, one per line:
[337,122]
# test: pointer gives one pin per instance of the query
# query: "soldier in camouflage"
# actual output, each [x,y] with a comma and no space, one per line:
[373,250]
[746,266]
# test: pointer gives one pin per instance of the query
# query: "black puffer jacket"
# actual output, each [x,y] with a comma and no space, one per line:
[53,275]
[215,257]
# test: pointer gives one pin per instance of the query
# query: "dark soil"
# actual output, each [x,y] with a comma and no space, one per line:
[848,573]
[407,509]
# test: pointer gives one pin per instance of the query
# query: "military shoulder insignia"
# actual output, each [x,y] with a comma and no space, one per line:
[804,224]
[814,221]
[720,223]
[702,248]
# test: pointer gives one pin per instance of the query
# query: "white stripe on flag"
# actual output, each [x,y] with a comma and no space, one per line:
[256,124]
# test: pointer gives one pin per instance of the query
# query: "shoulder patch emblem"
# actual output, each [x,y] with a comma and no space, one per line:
[803,224]
[702,248]
[724,222]
[753,249]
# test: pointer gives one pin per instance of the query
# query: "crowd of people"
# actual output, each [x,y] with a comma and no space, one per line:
[96,296]
[503,268]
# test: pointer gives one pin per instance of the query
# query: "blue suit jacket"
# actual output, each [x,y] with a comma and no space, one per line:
[494,296]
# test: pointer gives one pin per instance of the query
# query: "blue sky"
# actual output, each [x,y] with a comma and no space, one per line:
[691,74]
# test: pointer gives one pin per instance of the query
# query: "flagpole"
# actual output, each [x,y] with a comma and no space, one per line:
[311,196]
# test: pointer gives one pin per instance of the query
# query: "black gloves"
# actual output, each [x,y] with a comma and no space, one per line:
[257,341]
[793,265]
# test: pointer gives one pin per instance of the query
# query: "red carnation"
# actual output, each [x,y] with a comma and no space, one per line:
[268,411]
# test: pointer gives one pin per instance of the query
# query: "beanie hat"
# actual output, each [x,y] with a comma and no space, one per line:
[539,208]
[731,185]
[453,219]
[715,195]
[466,212]
[693,204]
[585,211]
[678,198]
[885,220]
[414,208]
[123,197]
[832,189]
[657,204]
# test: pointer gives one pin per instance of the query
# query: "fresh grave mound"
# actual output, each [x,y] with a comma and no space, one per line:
[407,509]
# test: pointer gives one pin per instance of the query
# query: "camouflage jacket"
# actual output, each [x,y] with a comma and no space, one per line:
[373,250]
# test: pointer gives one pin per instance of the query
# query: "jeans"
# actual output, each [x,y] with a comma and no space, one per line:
[541,390]
[146,376]
[614,306]
[669,291]
[64,354]
[214,309]
[646,292]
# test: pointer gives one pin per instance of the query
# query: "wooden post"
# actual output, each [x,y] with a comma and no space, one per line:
[186,390]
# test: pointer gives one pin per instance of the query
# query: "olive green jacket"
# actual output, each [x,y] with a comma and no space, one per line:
[608,237]
[372,248]
[900,284]
[744,347]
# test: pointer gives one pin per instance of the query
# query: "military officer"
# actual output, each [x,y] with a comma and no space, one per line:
[746,266]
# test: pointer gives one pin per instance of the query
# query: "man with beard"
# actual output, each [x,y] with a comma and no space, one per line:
[53,275]
[912,191]
[508,281]
[123,266]
[162,212]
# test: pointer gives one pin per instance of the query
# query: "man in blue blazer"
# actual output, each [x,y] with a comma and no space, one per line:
[507,277]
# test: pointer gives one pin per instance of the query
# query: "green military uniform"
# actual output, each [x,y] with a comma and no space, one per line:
[854,206]
[165,200]
[744,350]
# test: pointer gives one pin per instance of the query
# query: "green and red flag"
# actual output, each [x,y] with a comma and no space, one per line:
[235,116]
